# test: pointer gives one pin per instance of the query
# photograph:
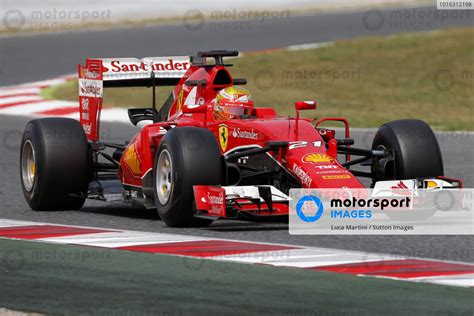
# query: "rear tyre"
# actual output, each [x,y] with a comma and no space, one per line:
[416,150]
[54,164]
[187,156]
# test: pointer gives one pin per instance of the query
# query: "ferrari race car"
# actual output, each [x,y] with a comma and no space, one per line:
[194,165]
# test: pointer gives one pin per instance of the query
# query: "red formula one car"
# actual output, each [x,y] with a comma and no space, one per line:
[208,153]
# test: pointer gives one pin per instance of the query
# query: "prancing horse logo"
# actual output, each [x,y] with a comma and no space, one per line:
[223,136]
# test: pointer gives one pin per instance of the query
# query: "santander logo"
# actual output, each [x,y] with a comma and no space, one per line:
[238,133]
[118,66]
[219,199]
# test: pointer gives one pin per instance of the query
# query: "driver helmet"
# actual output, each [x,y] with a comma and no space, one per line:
[232,102]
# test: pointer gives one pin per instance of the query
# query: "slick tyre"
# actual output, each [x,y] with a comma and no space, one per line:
[187,156]
[54,164]
[416,150]
[417,155]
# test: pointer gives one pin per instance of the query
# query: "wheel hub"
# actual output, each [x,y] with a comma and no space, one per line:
[28,166]
[164,177]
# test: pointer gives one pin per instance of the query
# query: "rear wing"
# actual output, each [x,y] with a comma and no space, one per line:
[98,74]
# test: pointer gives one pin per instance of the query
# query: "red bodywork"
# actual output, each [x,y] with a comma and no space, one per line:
[307,157]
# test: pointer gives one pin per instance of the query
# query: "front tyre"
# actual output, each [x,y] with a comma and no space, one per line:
[416,155]
[187,156]
[416,150]
[54,164]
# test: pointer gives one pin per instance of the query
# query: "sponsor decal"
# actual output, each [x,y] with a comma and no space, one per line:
[179,101]
[85,104]
[401,189]
[90,88]
[91,74]
[87,128]
[133,68]
[330,172]
[238,133]
[302,175]
[430,184]
[169,65]
[132,161]
[213,199]
[85,111]
[337,177]
[223,136]
[317,158]
[326,167]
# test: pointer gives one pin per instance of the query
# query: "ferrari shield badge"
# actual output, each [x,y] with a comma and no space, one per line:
[223,136]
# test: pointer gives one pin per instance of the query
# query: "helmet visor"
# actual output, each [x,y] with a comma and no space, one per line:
[236,111]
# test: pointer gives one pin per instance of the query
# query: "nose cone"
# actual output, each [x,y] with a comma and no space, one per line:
[321,171]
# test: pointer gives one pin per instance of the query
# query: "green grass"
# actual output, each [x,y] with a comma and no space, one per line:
[77,280]
[368,80]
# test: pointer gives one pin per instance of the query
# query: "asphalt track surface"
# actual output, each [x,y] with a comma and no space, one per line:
[457,149]
[31,58]
[37,276]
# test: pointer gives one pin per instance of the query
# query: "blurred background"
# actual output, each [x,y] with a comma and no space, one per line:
[368,60]
[18,12]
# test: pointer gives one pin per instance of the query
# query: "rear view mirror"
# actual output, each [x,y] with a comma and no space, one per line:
[141,114]
[305,105]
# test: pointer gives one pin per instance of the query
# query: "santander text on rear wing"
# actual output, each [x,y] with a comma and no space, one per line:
[100,73]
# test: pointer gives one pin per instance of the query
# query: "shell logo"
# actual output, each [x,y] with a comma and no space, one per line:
[132,161]
[317,158]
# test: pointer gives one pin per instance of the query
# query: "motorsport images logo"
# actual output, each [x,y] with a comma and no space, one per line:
[310,208]
[307,205]
[381,212]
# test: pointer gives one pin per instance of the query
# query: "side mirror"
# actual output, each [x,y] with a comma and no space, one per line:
[305,105]
[194,108]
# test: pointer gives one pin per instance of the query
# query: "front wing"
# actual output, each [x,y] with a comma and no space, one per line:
[266,201]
